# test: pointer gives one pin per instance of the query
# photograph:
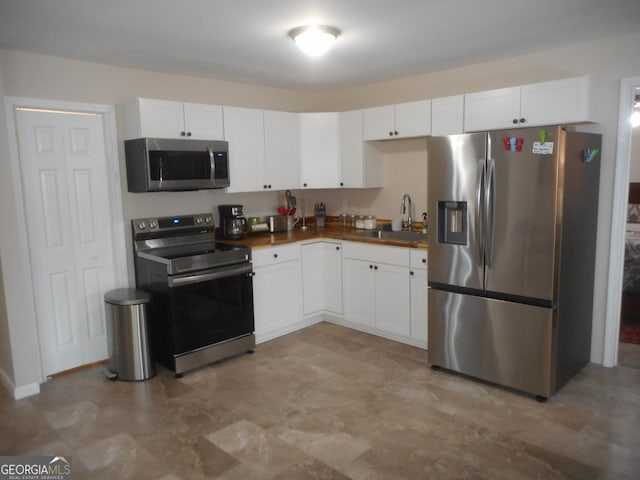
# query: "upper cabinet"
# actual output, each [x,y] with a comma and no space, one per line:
[281,150]
[447,115]
[244,130]
[263,149]
[320,150]
[555,102]
[361,163]
[404,120]
[560,101]
[144,117]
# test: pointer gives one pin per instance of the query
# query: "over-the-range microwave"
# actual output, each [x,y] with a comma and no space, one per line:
[165,164]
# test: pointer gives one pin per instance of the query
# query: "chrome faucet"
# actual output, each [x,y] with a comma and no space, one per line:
[403,210]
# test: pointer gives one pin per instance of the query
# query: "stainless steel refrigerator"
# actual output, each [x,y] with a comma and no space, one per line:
[512,254]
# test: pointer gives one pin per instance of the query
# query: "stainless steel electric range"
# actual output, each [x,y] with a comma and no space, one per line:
[201,308]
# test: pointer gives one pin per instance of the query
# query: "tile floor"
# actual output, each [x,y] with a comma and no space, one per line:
[629,354]
[329,403]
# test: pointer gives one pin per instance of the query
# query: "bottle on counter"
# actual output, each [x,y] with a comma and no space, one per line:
[424,222]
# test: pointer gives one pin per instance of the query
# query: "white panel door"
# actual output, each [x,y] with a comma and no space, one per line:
[68,218]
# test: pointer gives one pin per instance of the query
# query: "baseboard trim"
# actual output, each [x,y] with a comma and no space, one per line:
[20,392]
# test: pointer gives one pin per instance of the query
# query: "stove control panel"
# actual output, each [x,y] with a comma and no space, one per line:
[168,224]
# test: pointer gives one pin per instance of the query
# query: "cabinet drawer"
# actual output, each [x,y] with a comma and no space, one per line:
[273,255]
[418,259]
[376,253]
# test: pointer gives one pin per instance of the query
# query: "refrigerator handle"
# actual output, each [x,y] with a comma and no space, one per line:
[480,210]
[490,210]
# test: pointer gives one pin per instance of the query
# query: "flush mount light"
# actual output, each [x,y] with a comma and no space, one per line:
[314,40]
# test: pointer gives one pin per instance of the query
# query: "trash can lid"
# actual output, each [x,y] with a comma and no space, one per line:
[127,296]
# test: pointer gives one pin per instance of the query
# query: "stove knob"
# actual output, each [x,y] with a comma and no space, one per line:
[142,226]
[199,220]
[153,224]
[207,219]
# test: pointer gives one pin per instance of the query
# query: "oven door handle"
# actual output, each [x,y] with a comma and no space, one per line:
[218,273]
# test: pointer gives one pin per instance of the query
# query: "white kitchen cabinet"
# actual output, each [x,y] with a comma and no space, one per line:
[447,115]
[361,163]
[320,150]
[145,117]
[282,150]
[277,290]
[492,110]
[419,292]
[377,287]
[359,284]
[545,103]
[263,149]
[244,130]
[404,120]
[322,277]
[556,102]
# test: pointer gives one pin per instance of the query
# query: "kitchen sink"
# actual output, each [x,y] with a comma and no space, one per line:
[386,235]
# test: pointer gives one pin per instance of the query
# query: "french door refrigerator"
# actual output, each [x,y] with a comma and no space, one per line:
[512,254]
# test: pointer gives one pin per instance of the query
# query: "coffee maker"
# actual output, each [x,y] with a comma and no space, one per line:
[232,222]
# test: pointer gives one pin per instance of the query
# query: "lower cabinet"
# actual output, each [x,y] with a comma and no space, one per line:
[277,290]
[419,293]
[322,277]
[377,287]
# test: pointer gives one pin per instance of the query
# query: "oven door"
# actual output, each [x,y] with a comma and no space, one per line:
[210,306]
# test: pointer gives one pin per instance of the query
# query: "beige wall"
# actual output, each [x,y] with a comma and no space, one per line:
[36,76]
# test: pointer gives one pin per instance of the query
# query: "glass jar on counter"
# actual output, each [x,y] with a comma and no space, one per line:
[370,222]
[359,221]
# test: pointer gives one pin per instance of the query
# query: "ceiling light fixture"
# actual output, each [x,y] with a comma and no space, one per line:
[314,40]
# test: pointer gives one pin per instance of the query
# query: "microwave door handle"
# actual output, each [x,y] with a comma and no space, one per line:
[212,162]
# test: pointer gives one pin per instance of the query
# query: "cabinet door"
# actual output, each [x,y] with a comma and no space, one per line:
[277,298]
[392,296]
[447,115]
[379,123]
[320,150]
[561,101]
[281,149]
[203,122]
[419,318]
[359,292]
[332,276]
[491,110]
[161,118]
[351,150]
[244,130]
[413,119]
[313,277]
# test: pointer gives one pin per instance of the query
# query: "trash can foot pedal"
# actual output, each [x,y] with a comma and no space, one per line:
[110,375]
[179,375]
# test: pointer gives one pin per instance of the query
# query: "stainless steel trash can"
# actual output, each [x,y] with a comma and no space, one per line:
[127,332]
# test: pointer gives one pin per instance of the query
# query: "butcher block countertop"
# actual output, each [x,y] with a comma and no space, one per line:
[333,231]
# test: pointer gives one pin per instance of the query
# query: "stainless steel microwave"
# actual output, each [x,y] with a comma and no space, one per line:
[164,164]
